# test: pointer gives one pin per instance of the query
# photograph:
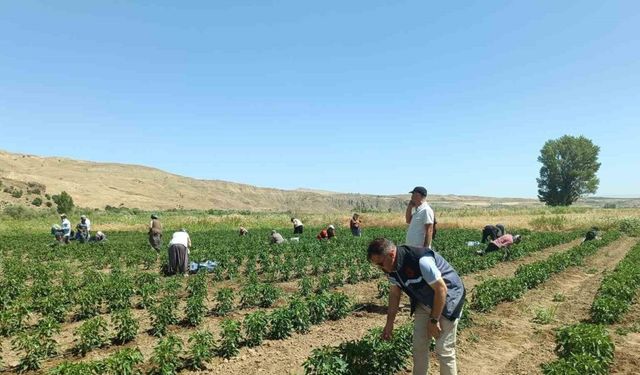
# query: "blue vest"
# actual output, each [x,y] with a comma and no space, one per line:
[409,278]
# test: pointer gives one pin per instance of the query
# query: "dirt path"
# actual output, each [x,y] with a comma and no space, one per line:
[504,269]
[287,356]
[627,340]
[507,341]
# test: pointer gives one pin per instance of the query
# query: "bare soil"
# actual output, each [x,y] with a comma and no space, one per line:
[505,341]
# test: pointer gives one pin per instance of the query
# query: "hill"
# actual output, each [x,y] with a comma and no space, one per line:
[96,185]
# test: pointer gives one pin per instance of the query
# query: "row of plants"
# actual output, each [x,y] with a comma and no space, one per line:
[618,290]
[53,289]
[582,349]
[491,292]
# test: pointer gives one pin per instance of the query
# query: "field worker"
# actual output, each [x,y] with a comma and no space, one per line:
[354,225]
[243,231]
[298,227]
[437,297]
[179,253]
[327,234]
[99,237]
[502,242]
[155,233]
[276,238]
[591,235]
[82,235]
[86,223]
[420,218]
[65,224]
[492,232]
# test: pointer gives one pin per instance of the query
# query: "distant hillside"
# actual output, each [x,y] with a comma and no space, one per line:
[96,185]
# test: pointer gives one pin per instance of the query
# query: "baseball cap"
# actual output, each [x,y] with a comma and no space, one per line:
[332,227]
[419,189]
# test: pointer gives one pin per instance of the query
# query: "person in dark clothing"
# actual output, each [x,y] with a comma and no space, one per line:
[354,225]
[179,253]
[437,297]
[155,233]
[591,235]
[492,232]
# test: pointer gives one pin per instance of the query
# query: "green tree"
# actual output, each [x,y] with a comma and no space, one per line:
[64,202]
[569,167]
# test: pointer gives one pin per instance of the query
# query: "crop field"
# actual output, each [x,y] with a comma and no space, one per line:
[552,306]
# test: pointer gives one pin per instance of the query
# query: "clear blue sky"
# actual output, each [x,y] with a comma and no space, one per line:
[350,96]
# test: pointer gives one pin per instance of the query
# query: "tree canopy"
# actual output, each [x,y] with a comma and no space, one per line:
[569,167]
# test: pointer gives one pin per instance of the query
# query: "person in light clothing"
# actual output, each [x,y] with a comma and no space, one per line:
[179,253]
[84,221]
[298,227]
[66,228]
[420,218]
[437,295]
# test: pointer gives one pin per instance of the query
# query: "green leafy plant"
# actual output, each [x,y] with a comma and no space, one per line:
[201,350]
[90,335]
[126,326]
[166,356]
[255,328]
[230,339]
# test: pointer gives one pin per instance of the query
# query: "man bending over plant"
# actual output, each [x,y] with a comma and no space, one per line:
[437,297]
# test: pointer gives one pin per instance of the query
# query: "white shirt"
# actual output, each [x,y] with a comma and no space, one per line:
[297,223]
[87,222]
[180,238]
[66,226]
[416,232]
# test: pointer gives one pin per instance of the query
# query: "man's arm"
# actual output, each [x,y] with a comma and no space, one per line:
[428,235]
[394,304]
[440,295]
[408,214]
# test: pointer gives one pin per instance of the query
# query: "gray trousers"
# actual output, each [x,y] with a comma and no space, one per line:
[178,259]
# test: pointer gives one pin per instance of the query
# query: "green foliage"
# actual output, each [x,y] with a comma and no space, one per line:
[583,349]
[126,326]
[224,299]
[124,362]
[79,368]
[230,339]
[166,356]
[544,316]
[569,167]
[202,349]
[255,328]
[18,212]
[338,305]
[618,290]
[281,324]
[630,226]
[371,355]
[495,290]
[163,315]
[90,335]
[64,202]
[37,201]
[300,315]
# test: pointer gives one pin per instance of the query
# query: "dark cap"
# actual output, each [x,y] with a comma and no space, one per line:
[419,189]
[154,216]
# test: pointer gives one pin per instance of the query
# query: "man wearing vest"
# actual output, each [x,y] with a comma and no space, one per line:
[436,293]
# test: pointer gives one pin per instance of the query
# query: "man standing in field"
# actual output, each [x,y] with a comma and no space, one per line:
[155,233]
[419,216]
[437,297]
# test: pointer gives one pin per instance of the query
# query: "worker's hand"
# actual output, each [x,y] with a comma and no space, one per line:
[411,203]
[433,330]
[387,332]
